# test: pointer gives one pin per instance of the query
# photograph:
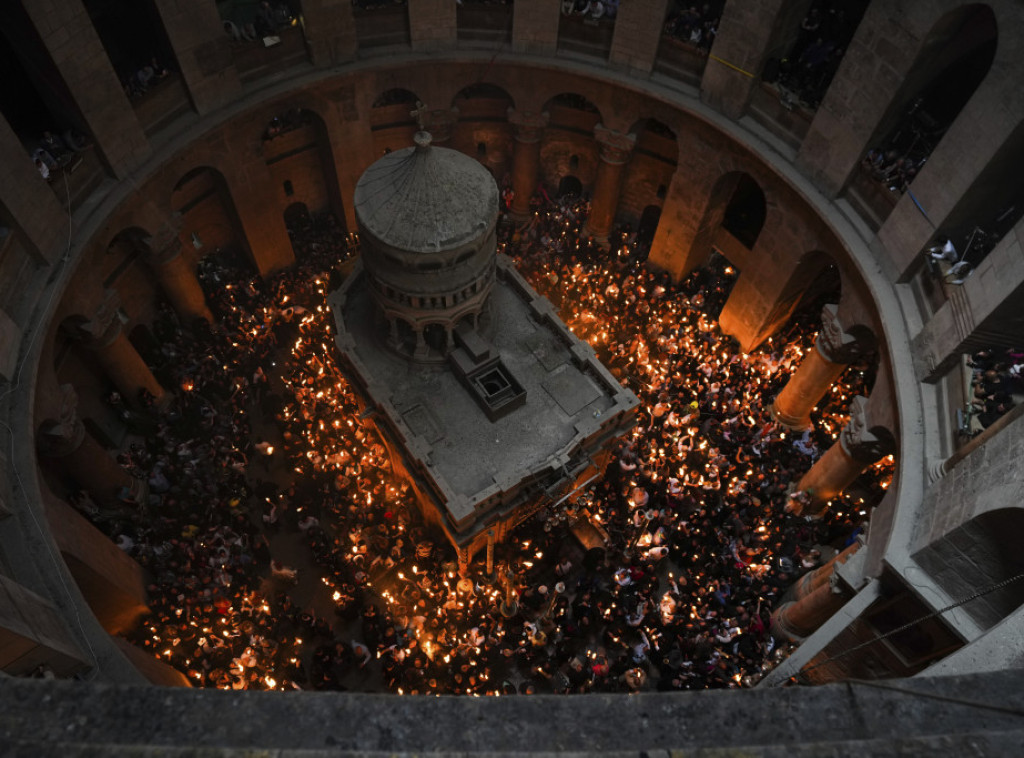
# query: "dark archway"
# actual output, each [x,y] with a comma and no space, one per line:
[570,186]
[745,214]
[648,225]
[208,213]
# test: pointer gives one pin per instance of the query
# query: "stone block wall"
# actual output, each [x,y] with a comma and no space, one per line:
[202,49]
[433,24]
[535,27]
[637,24]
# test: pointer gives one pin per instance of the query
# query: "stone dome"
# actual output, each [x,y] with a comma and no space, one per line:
[426,199]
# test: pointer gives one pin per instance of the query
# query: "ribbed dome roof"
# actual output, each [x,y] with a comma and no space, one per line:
[426,198]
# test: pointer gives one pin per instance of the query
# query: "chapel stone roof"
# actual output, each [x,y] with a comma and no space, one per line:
[426,198]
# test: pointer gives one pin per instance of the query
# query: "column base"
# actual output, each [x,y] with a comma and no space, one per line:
[790,422]
[779,627]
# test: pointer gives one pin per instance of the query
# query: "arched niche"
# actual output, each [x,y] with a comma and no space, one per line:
[209,218]
[391,120]
[570,135]
[483,130]
[745,210]
[649,173]
[300,160]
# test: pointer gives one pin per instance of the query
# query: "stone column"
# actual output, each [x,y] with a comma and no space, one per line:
[535,26]
[798,619]
[66,442]
[121,362]
[832,352]
[330,31]
[39,216]
[638,34]
[742,45]
[202,50]
[812,580]
[858,447]
[528,128]
[177,278]
[432,24]
[616,149]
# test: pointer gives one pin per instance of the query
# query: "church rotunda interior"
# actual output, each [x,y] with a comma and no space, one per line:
[791,228]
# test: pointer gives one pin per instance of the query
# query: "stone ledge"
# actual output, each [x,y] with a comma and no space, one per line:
[933,712]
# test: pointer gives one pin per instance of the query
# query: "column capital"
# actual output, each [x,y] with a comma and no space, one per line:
[616,147]
[834,343]
[859,439]
[438,121]
[164,245]
[63,435]
[528,125]
[105,326]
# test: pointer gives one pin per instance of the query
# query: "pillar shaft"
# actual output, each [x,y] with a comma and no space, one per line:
[81,457]
[330,31]
[792,407]
[179,282]
[615,151]
[202,50]
[32,205]
[529,129]
[831,474]
[124,366]
[859,445]
[796,620]
[833,351]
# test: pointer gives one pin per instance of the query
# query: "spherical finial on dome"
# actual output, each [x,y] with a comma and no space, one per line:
[422,139]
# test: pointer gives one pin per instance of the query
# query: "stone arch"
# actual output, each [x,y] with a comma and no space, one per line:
[736,203]
[127,240]
[744,215]
[950,65]
[650,170]
[814,276]
[300,159]
[391,119]
[203,198]
[570,105]
[483,120]
[570,132]
[980,552]
[435,334]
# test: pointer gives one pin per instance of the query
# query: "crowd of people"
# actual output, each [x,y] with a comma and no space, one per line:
[52,153]
[142,79]
[283,553]
[592,9]
[695,25]
[996,383]
[825,32]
